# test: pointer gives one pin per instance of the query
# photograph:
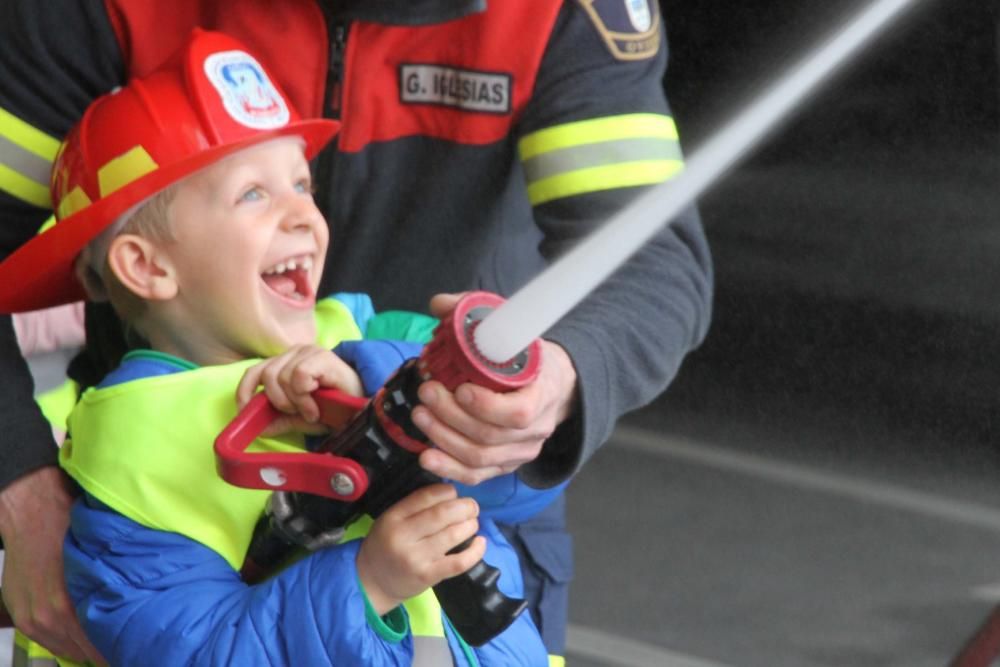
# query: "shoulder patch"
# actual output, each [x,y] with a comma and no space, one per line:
[629,28]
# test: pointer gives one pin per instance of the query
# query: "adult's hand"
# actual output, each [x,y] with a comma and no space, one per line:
[34,515]
[478,433]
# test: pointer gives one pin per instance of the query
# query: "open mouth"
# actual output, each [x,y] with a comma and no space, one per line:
[289,278]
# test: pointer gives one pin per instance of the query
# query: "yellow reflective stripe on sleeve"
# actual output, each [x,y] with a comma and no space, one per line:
[600,154]
[26,155]
[556,661]
[27,137]
[608,177]
[620,151]
[24,188]
[610,128]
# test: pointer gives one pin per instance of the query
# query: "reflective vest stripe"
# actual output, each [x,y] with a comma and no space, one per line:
[600,154]
[27,653]
[26,155]
[424,613]
[557,661]
[431,651]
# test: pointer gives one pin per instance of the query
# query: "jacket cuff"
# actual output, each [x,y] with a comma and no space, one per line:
[391,628]
[27,446]
[576,439]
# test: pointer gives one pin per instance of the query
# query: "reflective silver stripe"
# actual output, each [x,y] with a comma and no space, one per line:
[21,659]
[431,652]
[25,162]
[600,154]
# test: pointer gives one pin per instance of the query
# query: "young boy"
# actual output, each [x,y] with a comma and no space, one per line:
[185,199]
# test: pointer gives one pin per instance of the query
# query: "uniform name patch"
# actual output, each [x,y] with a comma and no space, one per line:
[485,92]
[629,28]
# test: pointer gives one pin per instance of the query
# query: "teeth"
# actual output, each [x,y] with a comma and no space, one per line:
[304,263]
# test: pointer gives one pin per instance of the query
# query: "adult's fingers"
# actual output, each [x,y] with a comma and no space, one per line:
[52,623]
[34,515]
[443,303]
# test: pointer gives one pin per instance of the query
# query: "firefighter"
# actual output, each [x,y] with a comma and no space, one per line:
[480,140]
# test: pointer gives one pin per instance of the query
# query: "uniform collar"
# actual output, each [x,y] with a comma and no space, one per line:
[402,12]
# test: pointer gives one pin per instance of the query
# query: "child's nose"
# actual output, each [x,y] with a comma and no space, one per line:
[300,213]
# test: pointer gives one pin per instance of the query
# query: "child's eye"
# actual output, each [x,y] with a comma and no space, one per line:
[305,186]
[253,194]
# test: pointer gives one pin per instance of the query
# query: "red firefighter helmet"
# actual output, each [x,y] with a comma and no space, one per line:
[211,99]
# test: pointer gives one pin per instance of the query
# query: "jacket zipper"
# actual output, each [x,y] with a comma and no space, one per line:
[337,29]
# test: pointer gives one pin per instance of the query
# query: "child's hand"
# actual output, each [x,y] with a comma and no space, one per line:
[404,554]
[289,380]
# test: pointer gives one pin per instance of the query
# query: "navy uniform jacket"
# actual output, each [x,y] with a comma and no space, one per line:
[479,141]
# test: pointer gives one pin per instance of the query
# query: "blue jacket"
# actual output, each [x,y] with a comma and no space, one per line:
[147,596]
[156,598]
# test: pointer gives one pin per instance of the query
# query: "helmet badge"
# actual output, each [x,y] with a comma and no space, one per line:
[247,93]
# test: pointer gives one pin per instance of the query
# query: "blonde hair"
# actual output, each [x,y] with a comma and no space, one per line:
[151,220]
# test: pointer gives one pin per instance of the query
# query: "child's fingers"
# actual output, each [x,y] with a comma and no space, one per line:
[311,369]
[297,370]
[269,379]
[440,527]
[327,370]
[265,374]
[300,377]
[419,500]
[455,564]
[247,387]
[451,535]
[290,379]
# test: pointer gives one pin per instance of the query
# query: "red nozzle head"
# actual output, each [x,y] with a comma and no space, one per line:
[452,358]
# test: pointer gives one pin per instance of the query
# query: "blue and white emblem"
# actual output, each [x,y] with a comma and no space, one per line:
[639,15]
[247,94]
[629,28]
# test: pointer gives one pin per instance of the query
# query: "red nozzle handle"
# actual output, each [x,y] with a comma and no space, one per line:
[321,474]
[452,358]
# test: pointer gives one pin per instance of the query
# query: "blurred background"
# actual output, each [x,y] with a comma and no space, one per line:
[821,484]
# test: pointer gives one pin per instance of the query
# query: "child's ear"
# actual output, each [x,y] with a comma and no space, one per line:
[142,268]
